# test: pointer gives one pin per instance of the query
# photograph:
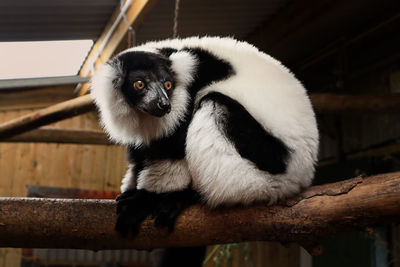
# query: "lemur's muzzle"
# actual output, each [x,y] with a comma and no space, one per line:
[160,105]
[164,105]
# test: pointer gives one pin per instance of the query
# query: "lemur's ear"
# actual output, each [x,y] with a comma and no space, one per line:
[184,65]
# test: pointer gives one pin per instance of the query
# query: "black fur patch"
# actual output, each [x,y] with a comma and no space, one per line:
[166,148]
[167,51]
[209,69]
[248,136]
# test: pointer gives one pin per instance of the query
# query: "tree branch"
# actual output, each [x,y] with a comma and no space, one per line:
[318,212]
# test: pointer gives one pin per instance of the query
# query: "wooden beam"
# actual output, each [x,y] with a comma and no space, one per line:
[134,17]
[46,116]
[378,151]
[23,98]
[318,212]
[361,104]
[63,136]
[324,103]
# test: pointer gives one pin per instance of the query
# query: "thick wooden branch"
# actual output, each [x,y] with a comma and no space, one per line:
[46,116]
[324,103]
[62,136]
[318,212]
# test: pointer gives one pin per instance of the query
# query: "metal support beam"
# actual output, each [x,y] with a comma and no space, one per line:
[41,82]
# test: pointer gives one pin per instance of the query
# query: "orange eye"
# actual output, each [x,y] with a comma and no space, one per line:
[139,85]
[168,85]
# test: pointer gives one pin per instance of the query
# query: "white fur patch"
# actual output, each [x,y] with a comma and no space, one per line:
[222,176]
[164,176]
[184,65]
[129,181]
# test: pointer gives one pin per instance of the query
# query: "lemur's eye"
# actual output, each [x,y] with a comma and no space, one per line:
[139,85]
[168,85]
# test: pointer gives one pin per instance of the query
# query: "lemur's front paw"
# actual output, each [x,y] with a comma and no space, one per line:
[126,194]
[133,207]
[171,205]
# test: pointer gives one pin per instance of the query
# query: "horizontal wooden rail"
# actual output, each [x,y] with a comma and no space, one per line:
[62,136]
[361,104]
[54,113]
[322,102]
[318,212]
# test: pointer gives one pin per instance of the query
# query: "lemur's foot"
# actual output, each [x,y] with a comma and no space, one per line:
[171,205]
[135,205]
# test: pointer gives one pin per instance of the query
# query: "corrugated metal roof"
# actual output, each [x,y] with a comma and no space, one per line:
[29,20]
[207,17]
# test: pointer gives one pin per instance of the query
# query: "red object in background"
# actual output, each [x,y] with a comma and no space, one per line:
[57,192]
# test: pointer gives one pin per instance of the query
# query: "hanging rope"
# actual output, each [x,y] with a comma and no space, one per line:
[131,30]
[175,29]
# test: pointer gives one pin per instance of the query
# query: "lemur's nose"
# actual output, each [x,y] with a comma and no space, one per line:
[164,105]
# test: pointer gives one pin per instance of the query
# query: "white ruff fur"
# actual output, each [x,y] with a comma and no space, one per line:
[268,91]
[131,127]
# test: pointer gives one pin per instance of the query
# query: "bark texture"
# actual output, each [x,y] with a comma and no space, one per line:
[318,212]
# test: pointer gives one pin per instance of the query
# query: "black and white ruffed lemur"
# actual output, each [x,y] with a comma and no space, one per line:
[209,118]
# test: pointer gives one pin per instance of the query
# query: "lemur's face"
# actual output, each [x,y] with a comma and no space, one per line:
[147,82]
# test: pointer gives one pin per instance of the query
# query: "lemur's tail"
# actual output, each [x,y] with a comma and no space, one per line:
[186,256]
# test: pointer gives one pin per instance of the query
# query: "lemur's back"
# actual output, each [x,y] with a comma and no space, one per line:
[267,89]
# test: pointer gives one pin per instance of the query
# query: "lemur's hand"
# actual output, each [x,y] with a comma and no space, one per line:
[135,205]
[171,205]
